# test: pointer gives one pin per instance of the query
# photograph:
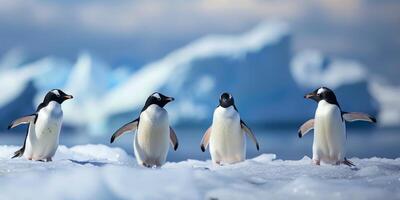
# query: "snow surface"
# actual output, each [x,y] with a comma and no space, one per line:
[102,172]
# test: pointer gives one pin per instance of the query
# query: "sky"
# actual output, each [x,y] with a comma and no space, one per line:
[134,33]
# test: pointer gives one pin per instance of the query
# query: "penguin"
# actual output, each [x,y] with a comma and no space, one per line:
[42,137]
[154,133]
[329,126]
[226,136]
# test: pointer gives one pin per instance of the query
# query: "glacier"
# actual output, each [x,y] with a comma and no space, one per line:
[258,67]
[101,172]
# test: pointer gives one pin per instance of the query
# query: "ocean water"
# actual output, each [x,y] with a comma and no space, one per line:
[284,142]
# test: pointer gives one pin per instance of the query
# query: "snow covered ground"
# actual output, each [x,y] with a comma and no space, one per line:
[102,172]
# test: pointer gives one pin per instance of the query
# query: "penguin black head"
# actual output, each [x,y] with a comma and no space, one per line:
[322,93]
[226,100]
[56,95]
[157,99]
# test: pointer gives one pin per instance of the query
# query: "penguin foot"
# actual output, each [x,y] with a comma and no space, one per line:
[316,162]
[146,165]
[348,163]
[218,163]
[158,166]
[49,159]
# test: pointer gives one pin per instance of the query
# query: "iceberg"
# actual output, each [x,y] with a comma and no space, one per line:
[258,67]
[251,66]
[20,85]
[311,69]
[12,59]
[348,78]
[388,99]
[172,73]
[88,81]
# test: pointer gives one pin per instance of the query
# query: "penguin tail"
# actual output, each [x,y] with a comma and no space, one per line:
[19,153]
[203,149]
[176,146]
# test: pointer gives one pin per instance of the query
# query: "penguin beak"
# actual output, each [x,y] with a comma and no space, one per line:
[309,96]
[66,97]
[312,96]
[169,99]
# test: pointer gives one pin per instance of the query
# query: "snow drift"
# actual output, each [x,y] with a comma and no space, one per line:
[101,172]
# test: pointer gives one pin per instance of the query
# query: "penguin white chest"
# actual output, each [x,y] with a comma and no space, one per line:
[329,134]
[227,142]
[43,135]
[151,142]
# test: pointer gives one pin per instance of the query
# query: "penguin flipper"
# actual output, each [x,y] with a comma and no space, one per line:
[306,127]
[356,116]
[131,126]
[250,133]
[21,151]
[173,138]
[23,120]
[205,140]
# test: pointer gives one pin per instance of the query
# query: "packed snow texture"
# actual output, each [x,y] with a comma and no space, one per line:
[102,172]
